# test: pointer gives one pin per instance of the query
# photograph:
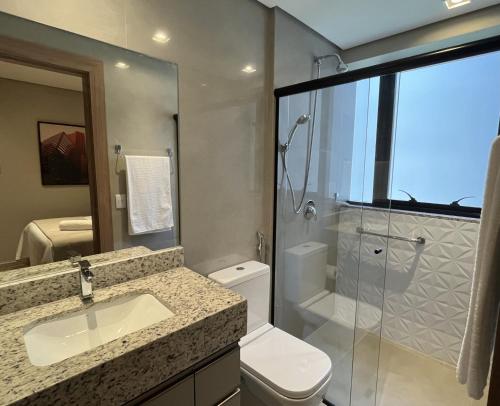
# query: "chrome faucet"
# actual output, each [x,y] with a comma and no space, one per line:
[86,277]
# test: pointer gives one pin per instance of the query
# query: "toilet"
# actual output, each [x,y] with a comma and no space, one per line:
[277,369]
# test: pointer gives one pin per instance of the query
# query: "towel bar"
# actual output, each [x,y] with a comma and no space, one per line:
[118,152]
[418,240]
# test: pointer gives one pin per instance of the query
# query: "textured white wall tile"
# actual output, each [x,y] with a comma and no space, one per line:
[425,289]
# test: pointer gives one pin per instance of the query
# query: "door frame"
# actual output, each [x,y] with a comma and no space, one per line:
[442,55]
[91,71]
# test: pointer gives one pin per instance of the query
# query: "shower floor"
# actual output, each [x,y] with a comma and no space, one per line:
[408,378]
[405,377]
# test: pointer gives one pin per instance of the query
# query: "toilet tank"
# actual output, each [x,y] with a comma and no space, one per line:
[305,271]
[252,281]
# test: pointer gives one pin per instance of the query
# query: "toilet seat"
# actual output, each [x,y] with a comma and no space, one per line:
[291,367]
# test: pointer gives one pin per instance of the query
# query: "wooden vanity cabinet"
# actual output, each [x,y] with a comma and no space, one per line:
[211,383]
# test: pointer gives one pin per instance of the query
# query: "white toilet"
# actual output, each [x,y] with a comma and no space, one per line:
[276,368]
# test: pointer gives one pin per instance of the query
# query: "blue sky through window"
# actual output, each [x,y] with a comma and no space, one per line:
[446,119]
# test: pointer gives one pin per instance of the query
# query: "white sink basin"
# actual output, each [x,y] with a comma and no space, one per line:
[58,339]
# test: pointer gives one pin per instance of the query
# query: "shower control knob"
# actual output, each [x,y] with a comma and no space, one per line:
[310,211]
[378,251]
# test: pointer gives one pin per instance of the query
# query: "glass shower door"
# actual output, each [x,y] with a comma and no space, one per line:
[370,231]
[326,289]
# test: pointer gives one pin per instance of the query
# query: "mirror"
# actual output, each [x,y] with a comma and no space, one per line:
[88,148]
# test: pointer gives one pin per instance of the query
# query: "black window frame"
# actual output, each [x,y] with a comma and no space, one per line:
[383,161]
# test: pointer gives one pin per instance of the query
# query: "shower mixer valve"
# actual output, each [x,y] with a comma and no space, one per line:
[310,211]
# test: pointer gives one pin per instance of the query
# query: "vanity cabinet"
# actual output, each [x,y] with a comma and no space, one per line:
[181,393]
[214,382]
[218,380]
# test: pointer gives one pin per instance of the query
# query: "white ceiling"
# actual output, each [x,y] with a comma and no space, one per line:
[28,74]
[348,23]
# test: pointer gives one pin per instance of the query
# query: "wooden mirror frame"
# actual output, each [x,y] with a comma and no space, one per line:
[92,74]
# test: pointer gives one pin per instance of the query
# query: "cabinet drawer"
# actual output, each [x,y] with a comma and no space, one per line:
[232,400]
[181,393]
[218,380]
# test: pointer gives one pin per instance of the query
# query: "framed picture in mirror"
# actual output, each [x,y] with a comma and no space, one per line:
[63,157]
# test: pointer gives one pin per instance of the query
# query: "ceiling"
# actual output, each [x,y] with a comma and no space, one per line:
[348,23]
[28,74]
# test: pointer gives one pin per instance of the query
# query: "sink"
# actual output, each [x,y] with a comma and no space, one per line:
[72,334]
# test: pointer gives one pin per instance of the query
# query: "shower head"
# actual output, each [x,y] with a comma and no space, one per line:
[341,65]
[304,118]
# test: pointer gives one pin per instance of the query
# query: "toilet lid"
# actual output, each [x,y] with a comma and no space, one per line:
[290,366]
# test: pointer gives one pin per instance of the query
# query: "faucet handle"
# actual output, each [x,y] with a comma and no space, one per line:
[85,270]
[88,275]
[310,211]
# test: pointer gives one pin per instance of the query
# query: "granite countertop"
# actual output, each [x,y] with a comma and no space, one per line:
[207,318]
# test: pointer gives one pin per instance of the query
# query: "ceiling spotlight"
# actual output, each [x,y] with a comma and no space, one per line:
[249,69]
[122,65]
[161,37]
[455,3]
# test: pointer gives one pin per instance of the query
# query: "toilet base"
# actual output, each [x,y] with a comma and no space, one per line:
[254,392]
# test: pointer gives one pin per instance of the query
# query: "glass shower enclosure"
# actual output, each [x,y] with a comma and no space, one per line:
[371,264]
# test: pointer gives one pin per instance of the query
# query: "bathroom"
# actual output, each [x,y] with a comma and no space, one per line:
[370,275]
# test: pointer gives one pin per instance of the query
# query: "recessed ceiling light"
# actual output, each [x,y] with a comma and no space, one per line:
[122,65]
[161,37]
[249,69]
[456,3]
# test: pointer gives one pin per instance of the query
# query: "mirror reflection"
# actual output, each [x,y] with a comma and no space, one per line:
[88,149]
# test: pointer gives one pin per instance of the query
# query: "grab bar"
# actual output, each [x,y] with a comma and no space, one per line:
[418,240]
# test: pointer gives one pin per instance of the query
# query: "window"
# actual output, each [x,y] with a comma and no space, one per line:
[435,126]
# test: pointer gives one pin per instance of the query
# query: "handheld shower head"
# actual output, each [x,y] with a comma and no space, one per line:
[302,119]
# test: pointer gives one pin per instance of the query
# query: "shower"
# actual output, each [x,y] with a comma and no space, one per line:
[303,119]
[382,280]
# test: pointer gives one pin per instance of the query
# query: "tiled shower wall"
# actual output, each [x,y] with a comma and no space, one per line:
[427,287]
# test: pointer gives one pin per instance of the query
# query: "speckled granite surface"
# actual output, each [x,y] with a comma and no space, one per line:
[207,318]
[31,272]
[23,294]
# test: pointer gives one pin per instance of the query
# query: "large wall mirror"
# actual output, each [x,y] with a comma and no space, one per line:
[88,148]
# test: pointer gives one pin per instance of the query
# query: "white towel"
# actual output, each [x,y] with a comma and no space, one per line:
[76,224]
[149,199]
[475,355]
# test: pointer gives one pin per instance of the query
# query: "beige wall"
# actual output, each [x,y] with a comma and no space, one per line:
[474,26]
[23,197]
